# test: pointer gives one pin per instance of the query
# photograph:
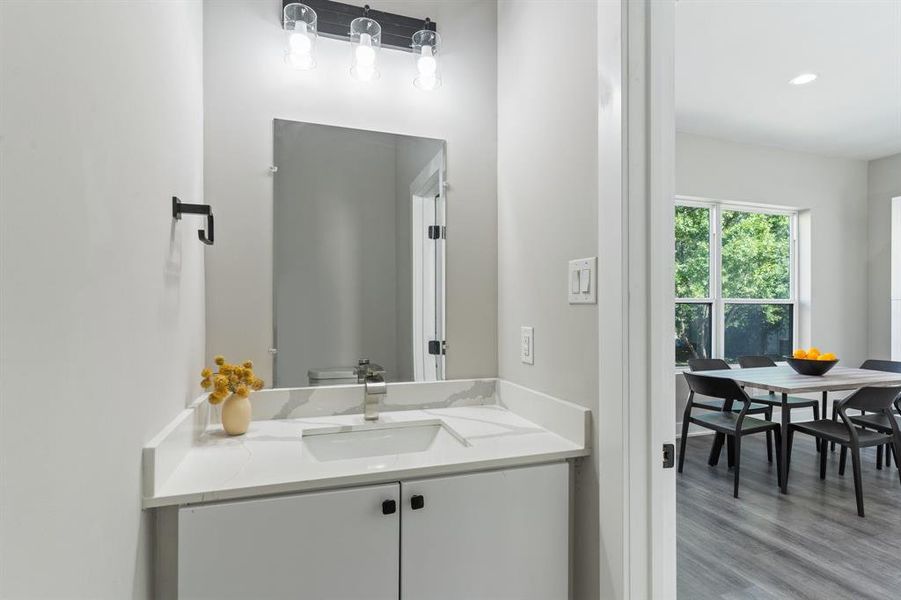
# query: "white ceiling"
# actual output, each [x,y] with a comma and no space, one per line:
[734,59]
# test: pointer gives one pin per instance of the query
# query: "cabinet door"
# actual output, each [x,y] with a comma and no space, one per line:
[493,535]
[320,545]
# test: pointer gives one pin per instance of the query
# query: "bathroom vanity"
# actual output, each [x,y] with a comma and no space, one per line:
[352,488]
[461,489]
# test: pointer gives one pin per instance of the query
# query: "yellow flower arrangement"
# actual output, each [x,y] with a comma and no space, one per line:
[230,379]
[217,396]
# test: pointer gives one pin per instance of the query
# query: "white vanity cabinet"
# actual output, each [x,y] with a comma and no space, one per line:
[497,534]
[493,534]
[320,545]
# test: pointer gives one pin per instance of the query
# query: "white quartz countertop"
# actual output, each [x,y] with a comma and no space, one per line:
[272,458]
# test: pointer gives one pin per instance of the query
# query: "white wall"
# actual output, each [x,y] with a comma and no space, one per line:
[834,228]
[247,85]
[547,214]
[884,183]
[101,293]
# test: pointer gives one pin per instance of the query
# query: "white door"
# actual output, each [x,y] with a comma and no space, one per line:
[494,535]
[320,546]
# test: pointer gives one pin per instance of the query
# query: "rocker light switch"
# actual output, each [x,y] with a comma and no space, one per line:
[583,281]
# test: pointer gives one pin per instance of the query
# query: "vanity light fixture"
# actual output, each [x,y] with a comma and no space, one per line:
[299,22]
[365,41]
[803,78]
[425,48]
[368,32]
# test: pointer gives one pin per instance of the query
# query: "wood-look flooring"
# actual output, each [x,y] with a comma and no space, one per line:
[807,544]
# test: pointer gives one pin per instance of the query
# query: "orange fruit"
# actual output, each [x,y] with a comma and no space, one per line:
[799,353]
[813,353]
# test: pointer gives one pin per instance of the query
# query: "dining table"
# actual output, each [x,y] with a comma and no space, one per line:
[784,380]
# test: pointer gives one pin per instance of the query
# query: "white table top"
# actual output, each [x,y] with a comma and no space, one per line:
[785,380]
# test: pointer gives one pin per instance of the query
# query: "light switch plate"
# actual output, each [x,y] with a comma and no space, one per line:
[578,291]
[527,345]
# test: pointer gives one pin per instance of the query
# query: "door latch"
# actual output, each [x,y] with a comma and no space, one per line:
[669,456]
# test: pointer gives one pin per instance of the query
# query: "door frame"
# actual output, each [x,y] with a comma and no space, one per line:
[636,152]
[895,279]
[427,194]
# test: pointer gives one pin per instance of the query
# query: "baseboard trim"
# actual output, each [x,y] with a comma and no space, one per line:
[694,433]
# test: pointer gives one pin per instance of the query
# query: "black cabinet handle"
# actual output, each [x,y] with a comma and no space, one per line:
[389,507]
[417,502]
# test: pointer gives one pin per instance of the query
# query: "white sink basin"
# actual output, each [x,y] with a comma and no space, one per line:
[379,439]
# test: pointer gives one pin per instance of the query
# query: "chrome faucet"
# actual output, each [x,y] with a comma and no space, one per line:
[374,387]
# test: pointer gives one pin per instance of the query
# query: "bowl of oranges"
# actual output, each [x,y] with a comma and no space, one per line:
[812,361]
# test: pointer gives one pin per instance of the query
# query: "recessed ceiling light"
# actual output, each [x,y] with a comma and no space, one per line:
[803,78]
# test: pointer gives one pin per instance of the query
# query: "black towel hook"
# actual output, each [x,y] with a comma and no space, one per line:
[179,208]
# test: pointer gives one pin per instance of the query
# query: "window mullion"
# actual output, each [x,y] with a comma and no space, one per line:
[718,337]
[793,280]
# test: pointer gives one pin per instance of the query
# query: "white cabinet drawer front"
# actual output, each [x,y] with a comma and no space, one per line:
[487,536]
[317,546]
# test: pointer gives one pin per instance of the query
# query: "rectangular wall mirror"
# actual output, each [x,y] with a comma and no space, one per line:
[359,255]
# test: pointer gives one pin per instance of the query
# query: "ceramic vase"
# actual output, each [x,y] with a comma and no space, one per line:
[236,415]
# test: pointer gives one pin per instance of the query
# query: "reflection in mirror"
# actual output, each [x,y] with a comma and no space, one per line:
[359,255]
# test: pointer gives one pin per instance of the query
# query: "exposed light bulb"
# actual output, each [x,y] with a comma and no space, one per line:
[426,63]
[299,41]
[365,53]
[427,82]
[803,79]
[364,59]
[365,39]
[364,73]
[425,45]
[299,52]
[300,62]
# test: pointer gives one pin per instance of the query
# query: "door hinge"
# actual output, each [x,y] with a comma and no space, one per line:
[437,232]
[669,456]
[437,347]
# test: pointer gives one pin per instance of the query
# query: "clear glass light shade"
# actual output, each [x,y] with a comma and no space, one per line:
[425,50]
[300,36]
[365,41]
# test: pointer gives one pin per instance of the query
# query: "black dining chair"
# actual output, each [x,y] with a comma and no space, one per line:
[883,424]
[878,400]
[872,364]
[756,408]
[726,422]
[771,399]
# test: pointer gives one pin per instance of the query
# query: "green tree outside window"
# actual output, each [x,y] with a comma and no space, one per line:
[756,264]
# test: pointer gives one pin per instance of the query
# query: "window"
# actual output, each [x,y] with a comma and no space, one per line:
[735,281]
